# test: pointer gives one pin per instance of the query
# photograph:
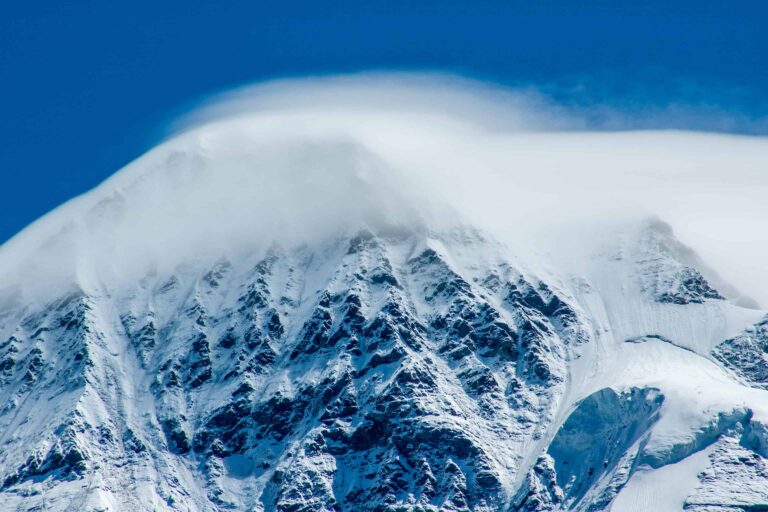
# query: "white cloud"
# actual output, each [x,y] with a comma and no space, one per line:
[293,159]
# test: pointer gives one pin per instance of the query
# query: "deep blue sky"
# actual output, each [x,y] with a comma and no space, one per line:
[87,86]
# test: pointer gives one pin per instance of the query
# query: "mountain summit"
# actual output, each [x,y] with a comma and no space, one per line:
[234,325]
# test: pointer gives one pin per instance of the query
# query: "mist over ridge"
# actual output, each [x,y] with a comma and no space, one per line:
[295,160]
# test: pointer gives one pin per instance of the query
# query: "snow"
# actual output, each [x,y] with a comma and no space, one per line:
[664,489]
[268,203]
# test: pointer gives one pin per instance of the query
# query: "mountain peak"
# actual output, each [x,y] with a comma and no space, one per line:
[230,187]
[266,313]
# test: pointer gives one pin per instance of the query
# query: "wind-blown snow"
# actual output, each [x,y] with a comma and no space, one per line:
[290,160]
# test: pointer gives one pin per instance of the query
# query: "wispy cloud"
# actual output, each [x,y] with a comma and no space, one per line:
[295,158]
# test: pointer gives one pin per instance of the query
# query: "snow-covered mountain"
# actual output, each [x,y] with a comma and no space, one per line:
[386,363]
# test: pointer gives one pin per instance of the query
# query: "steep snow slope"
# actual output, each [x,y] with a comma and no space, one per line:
[367,353]
[373,370]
